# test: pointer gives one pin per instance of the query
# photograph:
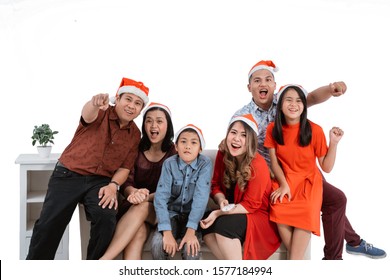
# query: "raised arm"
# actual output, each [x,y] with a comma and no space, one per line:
[323,93]
[327,162]
[91,108]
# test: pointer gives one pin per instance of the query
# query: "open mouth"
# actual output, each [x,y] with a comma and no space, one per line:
[263,93]
[154,134]
[235,146]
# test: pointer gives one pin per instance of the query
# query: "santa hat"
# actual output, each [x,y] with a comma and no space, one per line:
[283,88]
[158,105]
[197,130]
[263,64]
[134,87]
[248,119]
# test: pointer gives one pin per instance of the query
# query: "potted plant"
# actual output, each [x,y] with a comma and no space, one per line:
[44,135]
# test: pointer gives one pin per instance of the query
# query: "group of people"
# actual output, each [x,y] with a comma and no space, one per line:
[265,182]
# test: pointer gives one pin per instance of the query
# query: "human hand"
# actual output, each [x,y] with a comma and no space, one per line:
[223,203]
[283,190]
[338,88]
[101,100]
[335,134]
[169,243]
[205,223]
[192,242]
[138,196]
[108,197]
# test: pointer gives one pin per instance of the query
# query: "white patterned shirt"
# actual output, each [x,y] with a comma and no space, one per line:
[263,118]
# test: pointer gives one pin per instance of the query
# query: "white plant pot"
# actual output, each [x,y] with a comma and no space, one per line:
[44,152]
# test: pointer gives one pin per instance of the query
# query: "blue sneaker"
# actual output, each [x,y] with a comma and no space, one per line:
[366,249]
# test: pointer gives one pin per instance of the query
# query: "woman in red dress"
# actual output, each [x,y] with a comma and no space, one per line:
[242,179]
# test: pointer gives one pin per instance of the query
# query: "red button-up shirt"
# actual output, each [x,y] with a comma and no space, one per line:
[101,147]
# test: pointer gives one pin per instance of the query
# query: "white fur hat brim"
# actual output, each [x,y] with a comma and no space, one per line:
[197,130]
[248,119]
[131,89]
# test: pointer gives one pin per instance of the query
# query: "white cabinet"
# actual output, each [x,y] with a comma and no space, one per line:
[34,177]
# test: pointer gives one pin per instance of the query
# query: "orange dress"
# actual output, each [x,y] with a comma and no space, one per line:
[303,176]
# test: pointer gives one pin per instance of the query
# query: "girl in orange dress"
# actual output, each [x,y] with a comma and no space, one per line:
[294,144]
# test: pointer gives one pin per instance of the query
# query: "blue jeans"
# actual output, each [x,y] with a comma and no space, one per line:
[65,190]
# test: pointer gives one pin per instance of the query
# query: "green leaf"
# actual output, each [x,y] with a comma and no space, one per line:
[43,134]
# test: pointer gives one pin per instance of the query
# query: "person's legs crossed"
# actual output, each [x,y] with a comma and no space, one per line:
[134,249]
[226,236]
[127,227]
[211,242]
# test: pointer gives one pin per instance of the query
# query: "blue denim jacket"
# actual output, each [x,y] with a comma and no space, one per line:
[183,189]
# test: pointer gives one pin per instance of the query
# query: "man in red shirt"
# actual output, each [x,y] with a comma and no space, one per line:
[91,169]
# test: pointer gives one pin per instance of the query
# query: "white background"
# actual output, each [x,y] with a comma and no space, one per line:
[194,56]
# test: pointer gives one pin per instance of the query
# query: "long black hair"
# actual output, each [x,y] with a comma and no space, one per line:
[145,144]
[305,132]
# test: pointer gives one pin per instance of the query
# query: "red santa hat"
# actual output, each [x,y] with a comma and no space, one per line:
[248,119]
[263,64]
[158,105]
[283,88]
[197,130]
[134,87]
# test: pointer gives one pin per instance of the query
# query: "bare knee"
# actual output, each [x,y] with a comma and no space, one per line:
[143,206]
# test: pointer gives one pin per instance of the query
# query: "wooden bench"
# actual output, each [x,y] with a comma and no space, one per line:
[280,254]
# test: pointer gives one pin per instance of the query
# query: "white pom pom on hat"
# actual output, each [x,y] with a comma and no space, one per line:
[283,88]
[130,86]
[158,105]
[248,119]
[197,130]
[263,64]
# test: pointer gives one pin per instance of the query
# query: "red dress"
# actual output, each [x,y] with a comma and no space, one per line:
[262,237]
[303,176]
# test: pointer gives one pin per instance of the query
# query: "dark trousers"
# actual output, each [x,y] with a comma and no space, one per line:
[179,229]
[65,190]
[335,223]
